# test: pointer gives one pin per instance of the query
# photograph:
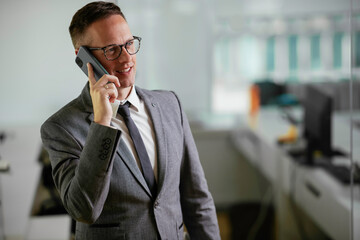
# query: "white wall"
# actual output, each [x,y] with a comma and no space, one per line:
[38,73]
[37,59]
[176,46]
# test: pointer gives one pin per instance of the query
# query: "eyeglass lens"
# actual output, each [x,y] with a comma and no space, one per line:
[113,52]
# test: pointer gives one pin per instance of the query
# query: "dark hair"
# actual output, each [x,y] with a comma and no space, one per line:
[88,14]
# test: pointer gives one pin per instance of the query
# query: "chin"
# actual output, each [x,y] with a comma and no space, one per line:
[126,83]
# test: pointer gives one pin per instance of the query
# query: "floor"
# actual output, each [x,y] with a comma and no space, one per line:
[224,225]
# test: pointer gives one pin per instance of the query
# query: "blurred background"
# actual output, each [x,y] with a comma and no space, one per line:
[242,70]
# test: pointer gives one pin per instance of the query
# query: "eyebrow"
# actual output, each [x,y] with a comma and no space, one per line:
[131,38]
[114,44]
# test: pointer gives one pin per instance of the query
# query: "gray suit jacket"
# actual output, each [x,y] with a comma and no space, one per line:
[103,189]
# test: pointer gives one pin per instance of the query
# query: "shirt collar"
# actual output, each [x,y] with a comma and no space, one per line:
[133,98]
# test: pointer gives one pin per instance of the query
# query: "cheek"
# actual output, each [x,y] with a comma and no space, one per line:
[134,67]
[110,67]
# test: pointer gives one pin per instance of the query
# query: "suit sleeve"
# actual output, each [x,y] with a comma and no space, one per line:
[196,201]
[81,171]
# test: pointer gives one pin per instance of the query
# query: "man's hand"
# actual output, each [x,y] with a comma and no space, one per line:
[102,92]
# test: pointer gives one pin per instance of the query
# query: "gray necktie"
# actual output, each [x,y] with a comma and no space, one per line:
[147,170]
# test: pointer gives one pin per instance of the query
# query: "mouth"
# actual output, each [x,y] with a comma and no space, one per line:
[124,71]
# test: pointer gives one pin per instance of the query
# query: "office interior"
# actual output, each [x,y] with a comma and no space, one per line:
[242,69]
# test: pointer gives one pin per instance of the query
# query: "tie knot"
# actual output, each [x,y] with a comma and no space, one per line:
[123,110]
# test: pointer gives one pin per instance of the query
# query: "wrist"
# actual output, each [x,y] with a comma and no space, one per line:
[103,121]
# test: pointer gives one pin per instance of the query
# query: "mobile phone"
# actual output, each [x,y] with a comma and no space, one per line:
[83,57]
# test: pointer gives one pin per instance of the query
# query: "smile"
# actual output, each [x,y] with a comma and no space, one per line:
[126,70]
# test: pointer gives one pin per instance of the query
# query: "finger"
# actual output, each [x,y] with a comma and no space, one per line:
[112,79]
[112,99]
[113,94]
[91,76]
[106,79]
[110,85]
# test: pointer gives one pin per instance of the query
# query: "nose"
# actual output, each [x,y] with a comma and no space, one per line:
[124,56]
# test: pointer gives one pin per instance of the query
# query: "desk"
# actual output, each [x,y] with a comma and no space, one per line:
[325,200]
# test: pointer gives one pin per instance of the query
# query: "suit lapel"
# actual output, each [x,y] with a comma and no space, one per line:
[130,162]
[154,110]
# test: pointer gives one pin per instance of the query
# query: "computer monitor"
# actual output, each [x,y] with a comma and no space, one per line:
[317,123]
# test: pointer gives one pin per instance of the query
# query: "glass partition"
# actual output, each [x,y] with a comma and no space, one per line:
[354,118]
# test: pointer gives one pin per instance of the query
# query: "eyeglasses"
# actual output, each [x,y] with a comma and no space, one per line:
[114,51]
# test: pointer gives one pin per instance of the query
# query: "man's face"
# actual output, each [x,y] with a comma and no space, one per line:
[113,30]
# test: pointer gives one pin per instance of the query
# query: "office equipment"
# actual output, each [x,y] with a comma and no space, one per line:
[4,165]
[356,123]
[317,123]
[290,116]
[269,91]
[340,170]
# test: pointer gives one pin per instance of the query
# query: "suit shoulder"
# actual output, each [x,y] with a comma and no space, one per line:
[162,95]
[68,116]
[69,109]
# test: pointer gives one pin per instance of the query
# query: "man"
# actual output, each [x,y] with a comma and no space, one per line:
[97,167]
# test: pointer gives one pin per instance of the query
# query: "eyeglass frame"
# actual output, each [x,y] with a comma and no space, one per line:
[121,48]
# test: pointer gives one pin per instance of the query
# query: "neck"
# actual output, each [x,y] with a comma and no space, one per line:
[123,93]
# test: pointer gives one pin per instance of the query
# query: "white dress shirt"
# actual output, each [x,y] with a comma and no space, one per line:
[142,120]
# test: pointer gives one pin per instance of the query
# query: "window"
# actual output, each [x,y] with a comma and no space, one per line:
[357,49]
[293,64]
[337,49]
[270,54]
[222,56]
[238,61]
[315,51]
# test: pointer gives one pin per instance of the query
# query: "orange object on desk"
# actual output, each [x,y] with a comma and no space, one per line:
[254,99]
[254,105]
